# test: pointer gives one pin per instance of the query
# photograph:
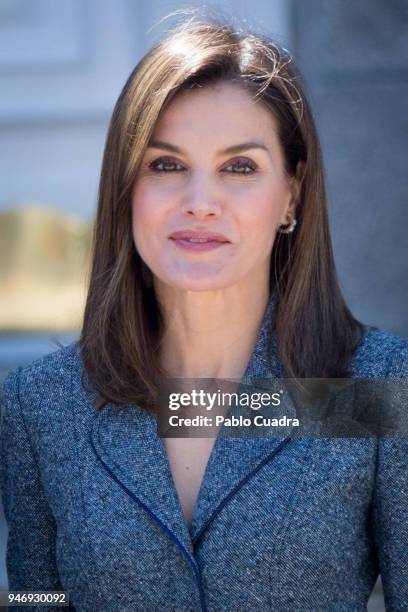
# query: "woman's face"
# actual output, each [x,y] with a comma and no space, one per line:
[214,165]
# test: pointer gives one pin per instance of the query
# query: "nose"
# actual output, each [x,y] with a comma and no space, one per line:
[201,199]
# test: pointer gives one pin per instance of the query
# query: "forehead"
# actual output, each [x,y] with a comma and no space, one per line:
[216,112]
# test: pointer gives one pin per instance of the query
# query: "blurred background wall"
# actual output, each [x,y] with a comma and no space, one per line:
[62,66]
[354,54]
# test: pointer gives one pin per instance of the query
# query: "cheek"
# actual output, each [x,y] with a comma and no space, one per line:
[259,215]
[147,213]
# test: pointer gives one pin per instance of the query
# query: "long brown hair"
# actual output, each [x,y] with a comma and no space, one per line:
[123,325]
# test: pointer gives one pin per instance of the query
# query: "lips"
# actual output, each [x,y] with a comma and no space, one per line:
[198,236]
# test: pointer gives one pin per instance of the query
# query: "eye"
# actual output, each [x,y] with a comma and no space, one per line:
[242,166]
[165,164]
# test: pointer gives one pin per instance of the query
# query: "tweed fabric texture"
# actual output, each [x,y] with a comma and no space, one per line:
[282,524]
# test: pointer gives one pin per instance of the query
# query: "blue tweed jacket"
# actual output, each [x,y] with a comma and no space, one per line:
[282,524]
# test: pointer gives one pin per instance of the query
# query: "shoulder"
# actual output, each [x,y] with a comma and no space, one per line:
[380,354]
[41,374]
[43,382]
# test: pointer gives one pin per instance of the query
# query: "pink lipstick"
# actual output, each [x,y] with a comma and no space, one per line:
[190,240]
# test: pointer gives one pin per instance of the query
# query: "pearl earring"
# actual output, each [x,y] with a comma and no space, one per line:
[287,229]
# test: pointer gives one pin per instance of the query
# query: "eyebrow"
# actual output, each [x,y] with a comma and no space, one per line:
[244,146]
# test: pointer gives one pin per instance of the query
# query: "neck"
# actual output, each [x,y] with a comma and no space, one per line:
[210,334]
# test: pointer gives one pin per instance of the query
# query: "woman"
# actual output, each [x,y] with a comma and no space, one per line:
[212,259]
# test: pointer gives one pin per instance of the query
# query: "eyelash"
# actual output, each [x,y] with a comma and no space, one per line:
[240,163]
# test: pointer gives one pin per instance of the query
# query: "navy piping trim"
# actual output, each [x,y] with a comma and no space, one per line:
[163,526]
[236,488]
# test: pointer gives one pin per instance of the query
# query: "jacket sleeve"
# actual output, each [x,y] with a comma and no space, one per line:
[31,562]
[390,504]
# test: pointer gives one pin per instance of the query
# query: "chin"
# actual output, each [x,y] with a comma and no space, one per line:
[196,283]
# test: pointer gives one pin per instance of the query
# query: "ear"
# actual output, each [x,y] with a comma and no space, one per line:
[295,183]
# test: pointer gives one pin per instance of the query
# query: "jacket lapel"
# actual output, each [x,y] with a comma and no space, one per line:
[234,460]
[127,444]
